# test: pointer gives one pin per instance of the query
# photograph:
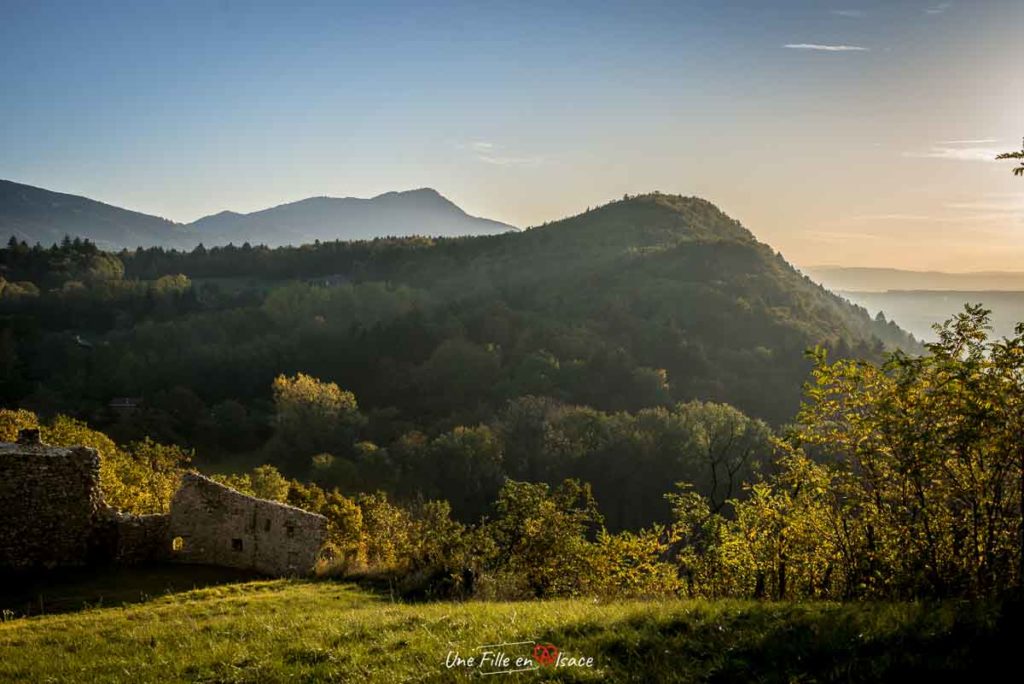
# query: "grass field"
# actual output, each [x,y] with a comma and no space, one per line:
[299,631]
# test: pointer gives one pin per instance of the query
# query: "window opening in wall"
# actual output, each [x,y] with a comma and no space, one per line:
[266,525]
[290,530]
[236,544]
[177,544]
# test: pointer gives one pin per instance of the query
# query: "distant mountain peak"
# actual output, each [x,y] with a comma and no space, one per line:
[425,196]
[39,215]
[414,191]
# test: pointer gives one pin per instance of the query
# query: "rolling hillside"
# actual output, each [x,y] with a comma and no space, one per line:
[654,281]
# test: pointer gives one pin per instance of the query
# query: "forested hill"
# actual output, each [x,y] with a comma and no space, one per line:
[636,303]
[672,280]
[561,351]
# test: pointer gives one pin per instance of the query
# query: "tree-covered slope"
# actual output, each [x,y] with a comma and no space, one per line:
[637,303]
[457,351]
[653,282]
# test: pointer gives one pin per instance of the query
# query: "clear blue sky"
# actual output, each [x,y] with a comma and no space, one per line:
[839,132]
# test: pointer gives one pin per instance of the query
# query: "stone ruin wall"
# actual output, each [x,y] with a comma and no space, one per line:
[50,498]
[214,524]
[139,538]
[55,516]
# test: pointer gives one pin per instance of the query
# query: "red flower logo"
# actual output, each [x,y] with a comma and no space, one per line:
[545,654]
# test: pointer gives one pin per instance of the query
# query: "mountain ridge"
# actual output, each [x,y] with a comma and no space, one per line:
[880,279]
[45,216]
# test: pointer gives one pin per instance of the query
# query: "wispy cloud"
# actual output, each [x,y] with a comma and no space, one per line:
[833,236]
[961,215]
[957,153]
[510,161]
[490,153]
[993,214]
[1014,207]
[849,13]
[997,211]
[825,48]
[979,141]
[941,8]
[892,217]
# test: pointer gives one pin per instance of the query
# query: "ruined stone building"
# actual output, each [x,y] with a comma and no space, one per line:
[54,516]
[50,501]
[214,524]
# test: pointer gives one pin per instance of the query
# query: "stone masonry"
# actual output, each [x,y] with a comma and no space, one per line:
[54,516]
[214,524]
[50,499]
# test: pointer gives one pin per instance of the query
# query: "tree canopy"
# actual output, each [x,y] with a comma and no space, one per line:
[1018,170]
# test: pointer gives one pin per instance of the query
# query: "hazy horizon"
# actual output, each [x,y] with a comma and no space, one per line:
[847,133]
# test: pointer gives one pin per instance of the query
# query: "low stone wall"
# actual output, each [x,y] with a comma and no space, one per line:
[142,538]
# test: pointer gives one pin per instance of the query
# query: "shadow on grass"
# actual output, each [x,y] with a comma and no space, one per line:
[70,590]
[951,641]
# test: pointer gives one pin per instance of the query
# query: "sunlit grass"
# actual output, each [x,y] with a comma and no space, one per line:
[277,631]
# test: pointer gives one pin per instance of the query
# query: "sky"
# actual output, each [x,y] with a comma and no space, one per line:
[855,132]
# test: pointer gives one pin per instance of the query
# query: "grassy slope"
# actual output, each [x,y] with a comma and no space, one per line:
[270,631]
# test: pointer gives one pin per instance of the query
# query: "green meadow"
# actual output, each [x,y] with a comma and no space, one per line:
[146,629]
